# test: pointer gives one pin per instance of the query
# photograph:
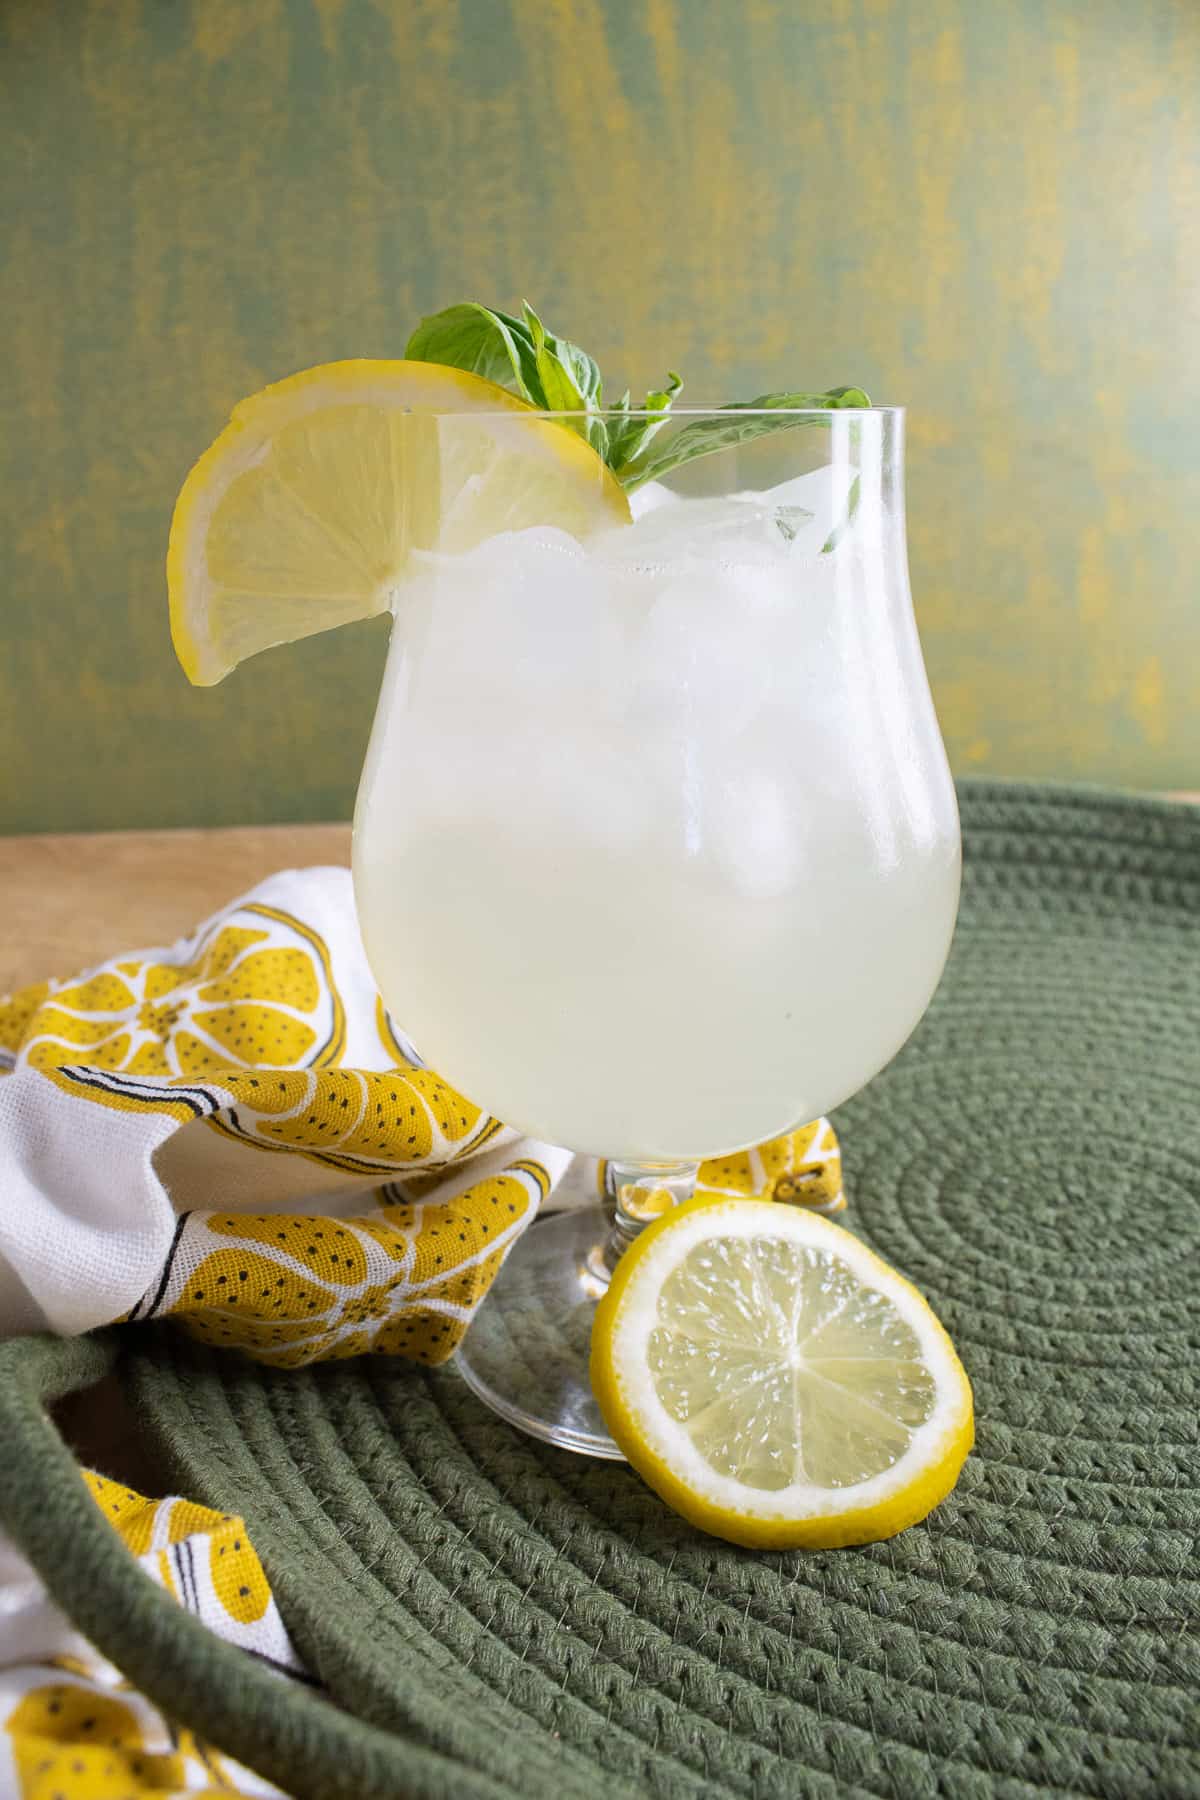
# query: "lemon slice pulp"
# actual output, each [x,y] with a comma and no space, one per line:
[775,1382]
[304,512]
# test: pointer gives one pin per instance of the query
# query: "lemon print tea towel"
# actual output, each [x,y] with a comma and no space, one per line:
[233,1134]
[71,1726]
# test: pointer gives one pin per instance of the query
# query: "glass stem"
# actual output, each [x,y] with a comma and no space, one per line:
[642,1191]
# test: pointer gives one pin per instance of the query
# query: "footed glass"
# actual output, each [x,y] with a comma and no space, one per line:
[656,852]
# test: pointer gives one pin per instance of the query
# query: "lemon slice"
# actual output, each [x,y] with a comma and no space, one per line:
[302,515]
[775,1382]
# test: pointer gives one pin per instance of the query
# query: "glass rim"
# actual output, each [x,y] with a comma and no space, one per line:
[520,410]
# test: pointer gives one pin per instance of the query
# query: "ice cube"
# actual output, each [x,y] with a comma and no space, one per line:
[823,495]
[736,808]
[522,621]
[650,497]
[704,656]
[729,531]
[755,833]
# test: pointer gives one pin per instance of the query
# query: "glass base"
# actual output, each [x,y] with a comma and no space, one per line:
[526,1353]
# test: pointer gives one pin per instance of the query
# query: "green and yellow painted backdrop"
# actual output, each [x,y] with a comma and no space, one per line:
[989,212]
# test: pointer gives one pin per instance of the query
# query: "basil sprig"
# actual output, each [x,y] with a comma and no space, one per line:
[556,375]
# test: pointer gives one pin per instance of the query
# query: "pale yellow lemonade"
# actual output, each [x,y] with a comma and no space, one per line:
[656,850]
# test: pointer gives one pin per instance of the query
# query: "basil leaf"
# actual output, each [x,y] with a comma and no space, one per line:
[530,384]
[483,342]
[658,401]
[615,433]
[554,378]
[558,363]
[736,424]
[661,400]
[635,434]
[618,430]
[596,433]
[518,354]
[580,367]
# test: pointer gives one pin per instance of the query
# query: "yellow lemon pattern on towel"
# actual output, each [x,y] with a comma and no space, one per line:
[362,1122]
[290,1289]
[802,1168]
[256,992]
[70,1740]
[74,1728]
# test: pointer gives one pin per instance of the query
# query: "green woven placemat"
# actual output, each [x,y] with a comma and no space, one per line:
[501,1618]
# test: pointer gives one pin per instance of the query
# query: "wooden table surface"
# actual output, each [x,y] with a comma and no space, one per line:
[69,901]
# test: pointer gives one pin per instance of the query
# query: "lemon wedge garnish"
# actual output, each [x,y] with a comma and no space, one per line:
[775,1382]
[304,512]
